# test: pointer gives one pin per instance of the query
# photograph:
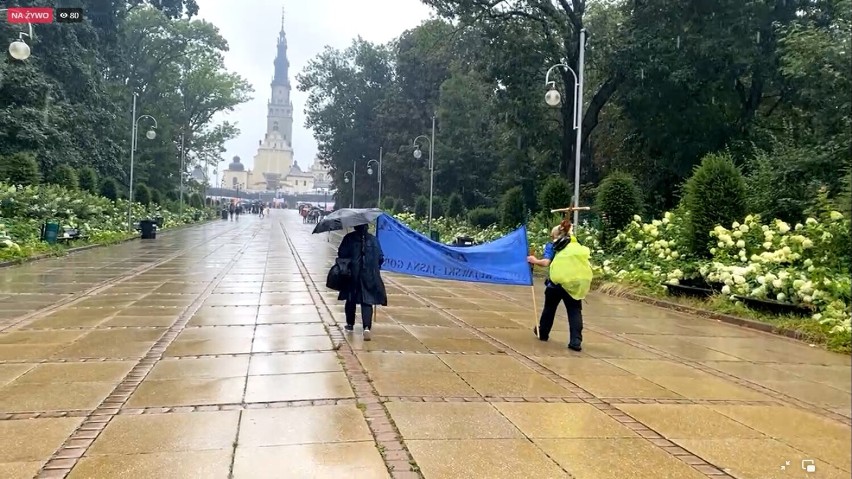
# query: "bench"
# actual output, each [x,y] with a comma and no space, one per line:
[70,234]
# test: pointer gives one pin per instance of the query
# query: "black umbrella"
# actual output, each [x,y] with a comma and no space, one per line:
[347,218]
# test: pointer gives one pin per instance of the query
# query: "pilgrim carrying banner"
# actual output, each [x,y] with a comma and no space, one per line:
[502,261]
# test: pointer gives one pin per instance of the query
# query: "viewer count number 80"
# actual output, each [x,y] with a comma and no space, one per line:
[69,15]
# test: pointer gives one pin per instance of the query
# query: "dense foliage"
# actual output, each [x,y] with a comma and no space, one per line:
[666,84]
[69,104]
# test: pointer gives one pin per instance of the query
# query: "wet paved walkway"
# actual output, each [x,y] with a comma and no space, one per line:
[216,351]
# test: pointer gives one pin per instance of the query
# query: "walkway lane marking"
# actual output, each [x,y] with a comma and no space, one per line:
[389,441]
[67,456]
[777,395]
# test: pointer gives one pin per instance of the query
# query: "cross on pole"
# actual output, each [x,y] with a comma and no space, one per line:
[566,221]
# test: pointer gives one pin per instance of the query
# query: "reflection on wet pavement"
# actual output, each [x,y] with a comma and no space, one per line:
[216,351]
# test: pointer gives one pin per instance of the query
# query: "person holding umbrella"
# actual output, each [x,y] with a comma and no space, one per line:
[360,255]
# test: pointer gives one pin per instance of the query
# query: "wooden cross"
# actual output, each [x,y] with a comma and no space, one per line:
[566,218]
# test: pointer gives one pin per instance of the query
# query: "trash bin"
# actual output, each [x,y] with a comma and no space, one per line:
[149,229]
[224,213]
[435,236]
[49,232]
[463,241]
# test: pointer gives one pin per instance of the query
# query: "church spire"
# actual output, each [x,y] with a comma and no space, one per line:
[282,65]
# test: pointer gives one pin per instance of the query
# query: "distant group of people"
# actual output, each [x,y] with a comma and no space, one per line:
[568,284]
[236,209]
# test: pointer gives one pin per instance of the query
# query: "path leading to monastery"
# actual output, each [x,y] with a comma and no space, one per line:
[216,351]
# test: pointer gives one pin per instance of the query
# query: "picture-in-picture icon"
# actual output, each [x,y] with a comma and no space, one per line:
[808,465]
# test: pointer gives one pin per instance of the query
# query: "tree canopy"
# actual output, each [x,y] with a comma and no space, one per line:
[666,83]
[70,102]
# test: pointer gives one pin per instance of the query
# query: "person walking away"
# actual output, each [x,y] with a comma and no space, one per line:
[366,287]
[555,294]
[232,209]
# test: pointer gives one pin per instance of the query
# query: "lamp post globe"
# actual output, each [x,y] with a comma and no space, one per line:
[417,153]
[19,50]
[151,134]
[552,98]
[346,180]
[370,170]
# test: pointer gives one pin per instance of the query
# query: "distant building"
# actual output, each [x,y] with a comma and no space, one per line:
[273,162]
[236,176]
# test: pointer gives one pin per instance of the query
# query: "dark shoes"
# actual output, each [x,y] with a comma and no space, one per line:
[535,331]
[575,347]
[349,328]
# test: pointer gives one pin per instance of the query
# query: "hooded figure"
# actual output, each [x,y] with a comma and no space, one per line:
[366,287]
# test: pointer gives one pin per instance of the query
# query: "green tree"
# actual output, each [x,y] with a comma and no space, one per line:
[156,197]
[19,169]
[455,206]
[483,217]
[388,204]
[142,195]
[398,206]
[512,208]
[88,180]
[421,207]
[195,201]
[618,199]
[714,195]
[65,176]
[437,207]
[556,193]
[109,189]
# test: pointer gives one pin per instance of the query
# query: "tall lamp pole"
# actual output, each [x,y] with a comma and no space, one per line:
[418,154]
[151,134]
[346,179]
[370,172]
[554,99]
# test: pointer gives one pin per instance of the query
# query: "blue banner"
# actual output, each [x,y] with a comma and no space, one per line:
[502,261]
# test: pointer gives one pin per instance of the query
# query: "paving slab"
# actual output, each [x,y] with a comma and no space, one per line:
[217,351]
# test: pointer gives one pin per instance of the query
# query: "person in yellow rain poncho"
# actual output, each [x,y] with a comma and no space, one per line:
[569,280]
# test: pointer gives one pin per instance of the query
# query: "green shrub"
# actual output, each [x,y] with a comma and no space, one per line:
[437,207]
[398,206]
[483,217]
[109,189]
[88,180]
[618,200]
[556,193]
[714,195]
[19,169]
[512,209]
[195,201]
[142,195]
[455,206]
[388,204]
[421,207]
[156,197]
[64,176]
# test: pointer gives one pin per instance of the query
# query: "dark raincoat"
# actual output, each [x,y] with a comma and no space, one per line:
[366,286]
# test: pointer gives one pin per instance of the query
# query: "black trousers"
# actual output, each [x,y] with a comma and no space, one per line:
[366,314]
[552,297]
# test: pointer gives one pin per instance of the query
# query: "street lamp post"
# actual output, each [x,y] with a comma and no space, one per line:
[418,154]
[553,98]
[182,172]
[370,172]
[346,179]
[151,134]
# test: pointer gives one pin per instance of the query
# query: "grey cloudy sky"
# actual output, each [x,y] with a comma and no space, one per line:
[251,28]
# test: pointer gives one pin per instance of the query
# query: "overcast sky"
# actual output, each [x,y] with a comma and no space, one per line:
[251,28]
